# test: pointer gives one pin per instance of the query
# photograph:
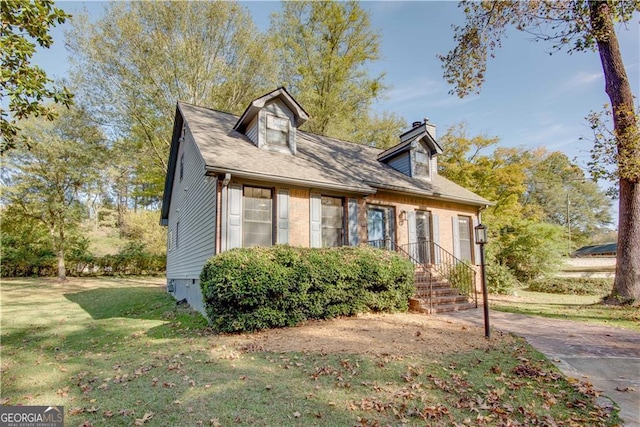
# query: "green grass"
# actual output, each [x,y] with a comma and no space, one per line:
[582,308]
[119,352]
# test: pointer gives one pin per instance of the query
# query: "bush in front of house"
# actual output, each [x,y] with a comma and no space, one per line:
[572,285]
[257,288]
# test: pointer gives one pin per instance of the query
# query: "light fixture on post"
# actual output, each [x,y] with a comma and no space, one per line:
[481,239]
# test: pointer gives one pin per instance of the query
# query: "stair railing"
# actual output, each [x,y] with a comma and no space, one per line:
[412,256]
[457,272]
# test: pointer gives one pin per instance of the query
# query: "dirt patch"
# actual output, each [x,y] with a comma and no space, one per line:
[373,334]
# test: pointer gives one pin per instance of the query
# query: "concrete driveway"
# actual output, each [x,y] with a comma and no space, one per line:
[607,357]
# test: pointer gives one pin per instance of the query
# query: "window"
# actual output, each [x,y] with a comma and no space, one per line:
[181,166]
[277,131]
[464,237]
[177,235]
[170,240]
[332,221]
[422,163]
[256,220]
[381,226]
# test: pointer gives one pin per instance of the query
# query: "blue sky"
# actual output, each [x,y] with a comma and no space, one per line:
[530,98]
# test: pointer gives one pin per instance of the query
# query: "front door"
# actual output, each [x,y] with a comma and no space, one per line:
[380,226]
[423,236]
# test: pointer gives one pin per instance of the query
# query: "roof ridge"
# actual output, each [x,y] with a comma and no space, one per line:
[207,108]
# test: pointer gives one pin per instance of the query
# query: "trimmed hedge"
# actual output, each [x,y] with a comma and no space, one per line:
[266,287]
[572,285]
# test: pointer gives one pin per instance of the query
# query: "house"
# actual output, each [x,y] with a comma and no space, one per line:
[258,180]
[605,250]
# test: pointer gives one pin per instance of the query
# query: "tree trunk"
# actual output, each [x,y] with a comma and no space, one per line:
[626,286]
[62,270]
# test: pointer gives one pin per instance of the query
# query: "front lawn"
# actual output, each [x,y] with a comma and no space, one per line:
[120,352]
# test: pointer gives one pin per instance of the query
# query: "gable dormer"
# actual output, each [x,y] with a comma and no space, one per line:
[270,122]
[416,154]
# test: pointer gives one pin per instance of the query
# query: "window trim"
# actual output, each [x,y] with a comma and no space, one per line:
[272,213]
[469,221]
[275,123]
[341,239]
[420,149]
[389,215]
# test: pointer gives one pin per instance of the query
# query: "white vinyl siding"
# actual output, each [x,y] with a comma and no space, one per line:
[252,130]
[193,205]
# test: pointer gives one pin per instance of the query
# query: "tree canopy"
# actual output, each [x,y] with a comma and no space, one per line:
[140,58]
[323,49]
[576,26]
[26,87]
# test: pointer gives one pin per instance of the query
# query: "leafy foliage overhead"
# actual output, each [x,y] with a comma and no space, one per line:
[25,87]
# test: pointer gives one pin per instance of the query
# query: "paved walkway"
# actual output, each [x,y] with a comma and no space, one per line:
[607,357]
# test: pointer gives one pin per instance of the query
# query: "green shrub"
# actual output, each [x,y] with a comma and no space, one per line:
[264,287]
[572,285]
[500,279]
[460,276]
[530,249]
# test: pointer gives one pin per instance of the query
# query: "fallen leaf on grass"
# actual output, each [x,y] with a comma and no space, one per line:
[297,414]
[625,389]
[86,424]
[140,421]
[108,414]
[76,411]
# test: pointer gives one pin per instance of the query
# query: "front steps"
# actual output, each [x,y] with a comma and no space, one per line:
[444,297]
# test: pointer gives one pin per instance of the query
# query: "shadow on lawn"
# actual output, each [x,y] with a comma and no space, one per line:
[132,303]
[142,303]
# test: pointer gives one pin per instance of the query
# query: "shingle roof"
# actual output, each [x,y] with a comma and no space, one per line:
[320,162]
[595,250]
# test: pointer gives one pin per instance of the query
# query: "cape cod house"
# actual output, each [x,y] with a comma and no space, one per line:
[258,180]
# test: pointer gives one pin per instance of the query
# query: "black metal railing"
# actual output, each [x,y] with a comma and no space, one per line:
[459,274]
[425,294]
[432,257]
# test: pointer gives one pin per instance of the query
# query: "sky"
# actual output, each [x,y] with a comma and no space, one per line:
[530,98]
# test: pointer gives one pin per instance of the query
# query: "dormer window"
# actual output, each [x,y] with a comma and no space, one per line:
[422,163]
[270,122]
[277,131]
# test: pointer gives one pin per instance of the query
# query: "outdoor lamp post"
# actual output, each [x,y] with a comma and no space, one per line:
[481,239]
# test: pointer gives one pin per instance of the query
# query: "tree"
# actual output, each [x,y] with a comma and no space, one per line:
[134,64]
[499,176]
[576,25]
[45,182]
[324,49]
[566,197]
[24,86]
